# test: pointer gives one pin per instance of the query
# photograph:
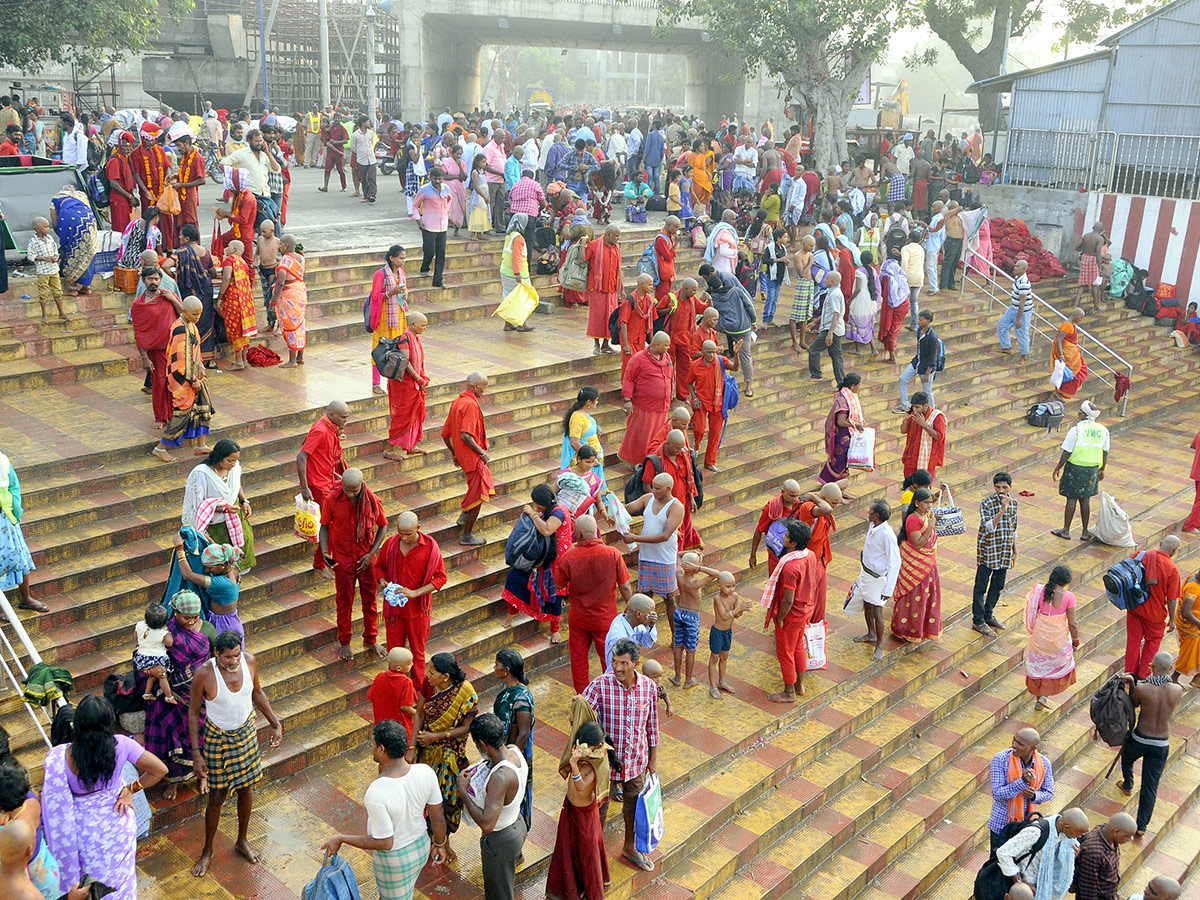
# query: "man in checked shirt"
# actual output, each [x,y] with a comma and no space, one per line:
[995,549]
[1021,779]
[626,703]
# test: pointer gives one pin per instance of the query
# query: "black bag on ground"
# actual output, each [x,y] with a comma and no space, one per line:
[543,238]
[656,204]
[389,359]
[122,693]
[991,883]
[1047,414]
[1112,711]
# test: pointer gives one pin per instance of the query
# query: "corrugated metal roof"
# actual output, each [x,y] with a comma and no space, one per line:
[1170,9]
[1005,82]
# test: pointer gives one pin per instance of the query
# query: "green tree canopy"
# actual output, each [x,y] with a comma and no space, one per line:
[818,51]
[91,32]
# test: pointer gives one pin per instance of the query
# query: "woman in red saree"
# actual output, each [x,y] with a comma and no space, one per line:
[845,417]
[579,864]
[917,615]
[406,397]
[236,302]
[535,593]
[290,301]
[1066,348]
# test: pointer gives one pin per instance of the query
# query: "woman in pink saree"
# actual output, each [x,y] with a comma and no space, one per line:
[456,180]
[87,814]
[290,301]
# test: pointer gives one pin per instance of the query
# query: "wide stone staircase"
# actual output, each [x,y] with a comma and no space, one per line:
[874,785]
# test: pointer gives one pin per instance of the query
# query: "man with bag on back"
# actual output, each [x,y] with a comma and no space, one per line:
[1021,779]
[1020,858]
[1146,623]
[772,524]
[1156,698]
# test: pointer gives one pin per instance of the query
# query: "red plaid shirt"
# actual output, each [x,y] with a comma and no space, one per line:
[629,716]
[525,197]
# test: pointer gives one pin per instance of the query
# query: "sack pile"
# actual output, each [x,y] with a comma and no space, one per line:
[1012,241]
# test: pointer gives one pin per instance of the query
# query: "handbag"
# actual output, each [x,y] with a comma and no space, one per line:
[861,454]
[948,520]
[335,881]
[648,817]
[814,646]
[518,305]
[389,359]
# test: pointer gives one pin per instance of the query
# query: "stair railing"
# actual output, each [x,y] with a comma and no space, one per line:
[1045,320]
[13,668]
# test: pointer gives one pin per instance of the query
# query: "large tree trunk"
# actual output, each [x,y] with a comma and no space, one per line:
[990,115]
[830,102]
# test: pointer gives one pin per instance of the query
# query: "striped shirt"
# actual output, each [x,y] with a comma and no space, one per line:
[1021,288]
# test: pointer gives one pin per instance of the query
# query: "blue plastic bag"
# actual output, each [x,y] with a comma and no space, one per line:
[335,881]
[648,819]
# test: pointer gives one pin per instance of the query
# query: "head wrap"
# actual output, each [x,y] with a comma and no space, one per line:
[150,130]
[180,129]
[518,222]
[1090,410]
[187,603]
[220,555]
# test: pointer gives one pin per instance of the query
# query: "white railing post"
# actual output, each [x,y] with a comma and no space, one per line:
[17,678]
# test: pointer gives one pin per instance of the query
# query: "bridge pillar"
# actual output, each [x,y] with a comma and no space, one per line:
[715,86]
[449,70]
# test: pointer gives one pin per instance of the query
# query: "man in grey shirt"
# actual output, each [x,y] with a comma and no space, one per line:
[833,327]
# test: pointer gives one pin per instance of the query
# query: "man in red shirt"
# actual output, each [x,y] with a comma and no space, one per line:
[678,419]
[706,383]
[646,388]
[816,511]
[789,598]
[352,531]
[1145,625]
[683,330]
[333,142]
[150,169]
[192,174]
[664,251]
[12,141]
[924,430]
[778,509]
[465,436]
[635,320]
[320,463]
[153,315]
[411,570]
[604,285]
[121,185]
[592,573]
[677,461]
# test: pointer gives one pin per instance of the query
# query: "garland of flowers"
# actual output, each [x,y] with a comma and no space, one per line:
[185,169]
[154,195]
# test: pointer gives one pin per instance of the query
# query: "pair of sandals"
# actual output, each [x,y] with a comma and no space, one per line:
[1066,535]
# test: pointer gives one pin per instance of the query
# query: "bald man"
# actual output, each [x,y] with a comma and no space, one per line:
[1022,778]
[604,285]
[1156,698]
[191,406]
[353,527]
[666,244]
[818,511]
[639,623]
[1019,891]
[690,303]
[406,395]
[1098,867]
[16,851]
[706,385]
[647,387]
[659,545]
[465,436]
[1146,624]
[411,571]
[772,524]
[678,419]
[1160,887]
[679,461]
[1020,857]
[320,463]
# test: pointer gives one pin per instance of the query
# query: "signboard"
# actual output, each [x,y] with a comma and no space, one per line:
[864,92]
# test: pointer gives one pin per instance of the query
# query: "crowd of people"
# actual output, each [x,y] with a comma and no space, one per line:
[874,247]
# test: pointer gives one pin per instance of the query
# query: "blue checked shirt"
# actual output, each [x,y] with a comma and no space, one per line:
[996,542]
[1003,790]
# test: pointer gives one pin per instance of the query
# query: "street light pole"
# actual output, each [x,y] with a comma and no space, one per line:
[323,40]
[372,99]
[262,55]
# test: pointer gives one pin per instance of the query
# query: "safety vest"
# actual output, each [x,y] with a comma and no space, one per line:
[1089,445]
[314,123]
[506,258]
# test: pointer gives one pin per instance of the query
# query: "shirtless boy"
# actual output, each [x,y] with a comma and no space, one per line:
[693,578]
[803,261]
[653,670]
[727,606]
[1091,248]
[266,252]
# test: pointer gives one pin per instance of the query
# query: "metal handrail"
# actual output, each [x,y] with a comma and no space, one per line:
[988,285]
[18,683]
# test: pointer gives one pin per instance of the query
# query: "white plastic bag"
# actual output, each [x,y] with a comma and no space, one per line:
[1059,375]
[307,521]
[1111,525]
[861,454]
[814,646]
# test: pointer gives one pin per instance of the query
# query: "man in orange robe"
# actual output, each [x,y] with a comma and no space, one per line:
[646,387]
[465,436]
[682,328]
[406,396]
[817,512]
[636,319]
[192,174]
[604,285]
[677,462]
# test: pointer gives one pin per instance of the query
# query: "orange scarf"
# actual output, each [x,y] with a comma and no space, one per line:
[1019,807]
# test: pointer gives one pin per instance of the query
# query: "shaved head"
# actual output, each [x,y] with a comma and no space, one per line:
[235,248]
[1162,887]
[1074,822]
[475,378]
[664,481]
[417,318]
[407,520]
[680,416]
[660,342]
[352,478]
[1020,891]
[585,527]
[16,843]
[1163,662]
[1170,544]
[192,304]
[1121,828]
[792,486]
[712,314]
[831,494]
[288,242]
[338,407]
[709,346]
[652,668]
[399,658]
[639,603]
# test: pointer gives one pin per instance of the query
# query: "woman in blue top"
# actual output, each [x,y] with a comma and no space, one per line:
[221,581]
[15,561]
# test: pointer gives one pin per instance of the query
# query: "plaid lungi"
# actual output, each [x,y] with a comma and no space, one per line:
[396,870]
[1089,269]
[895,189]
[658,578]
[232,756]
[806,289]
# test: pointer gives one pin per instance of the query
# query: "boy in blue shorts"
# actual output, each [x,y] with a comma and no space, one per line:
[727,606]
[692,578]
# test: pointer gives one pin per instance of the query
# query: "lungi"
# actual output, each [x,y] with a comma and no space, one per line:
[657,578]
[480,486]
[232,756]
[865,589]
[1089,269]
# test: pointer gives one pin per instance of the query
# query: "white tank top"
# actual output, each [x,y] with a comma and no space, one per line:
[229,711]
[655,522]
[511,811]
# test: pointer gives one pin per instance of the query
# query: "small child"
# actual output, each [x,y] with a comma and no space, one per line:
[653,670]
[392,694]
[806,290]
[686,213]
[674,201]
[727,606]
[692,577]
[833,185]
[43,253]
[266,252]
[774,261]
[153,639]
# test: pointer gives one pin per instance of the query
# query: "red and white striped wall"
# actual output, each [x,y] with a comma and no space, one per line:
[1154,233]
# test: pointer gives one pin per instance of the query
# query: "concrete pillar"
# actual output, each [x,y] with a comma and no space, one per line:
[706,92]
[449,68]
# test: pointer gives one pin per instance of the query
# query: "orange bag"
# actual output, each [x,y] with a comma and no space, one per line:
[168,202]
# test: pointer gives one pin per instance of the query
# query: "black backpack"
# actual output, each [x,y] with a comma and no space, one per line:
[614,324]
[991,883]
[1112,711]
[1047,414]
[122,693]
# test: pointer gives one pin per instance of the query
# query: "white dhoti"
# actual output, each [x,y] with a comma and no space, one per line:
[867,588]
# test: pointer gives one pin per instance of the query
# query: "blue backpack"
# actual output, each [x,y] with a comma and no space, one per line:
[526,548]
[941,360]
[335,881]
[648,263]
[99,189]
[732,394]
[1125,583]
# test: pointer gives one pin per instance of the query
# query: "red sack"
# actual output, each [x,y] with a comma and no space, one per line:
[1165,291]
[262,356]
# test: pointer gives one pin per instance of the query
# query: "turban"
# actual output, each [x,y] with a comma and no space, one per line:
[220,555]
[187,603]
[1090,410]
[150,129]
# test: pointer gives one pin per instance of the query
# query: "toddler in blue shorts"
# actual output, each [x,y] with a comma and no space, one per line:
[727,606]
[692,578]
